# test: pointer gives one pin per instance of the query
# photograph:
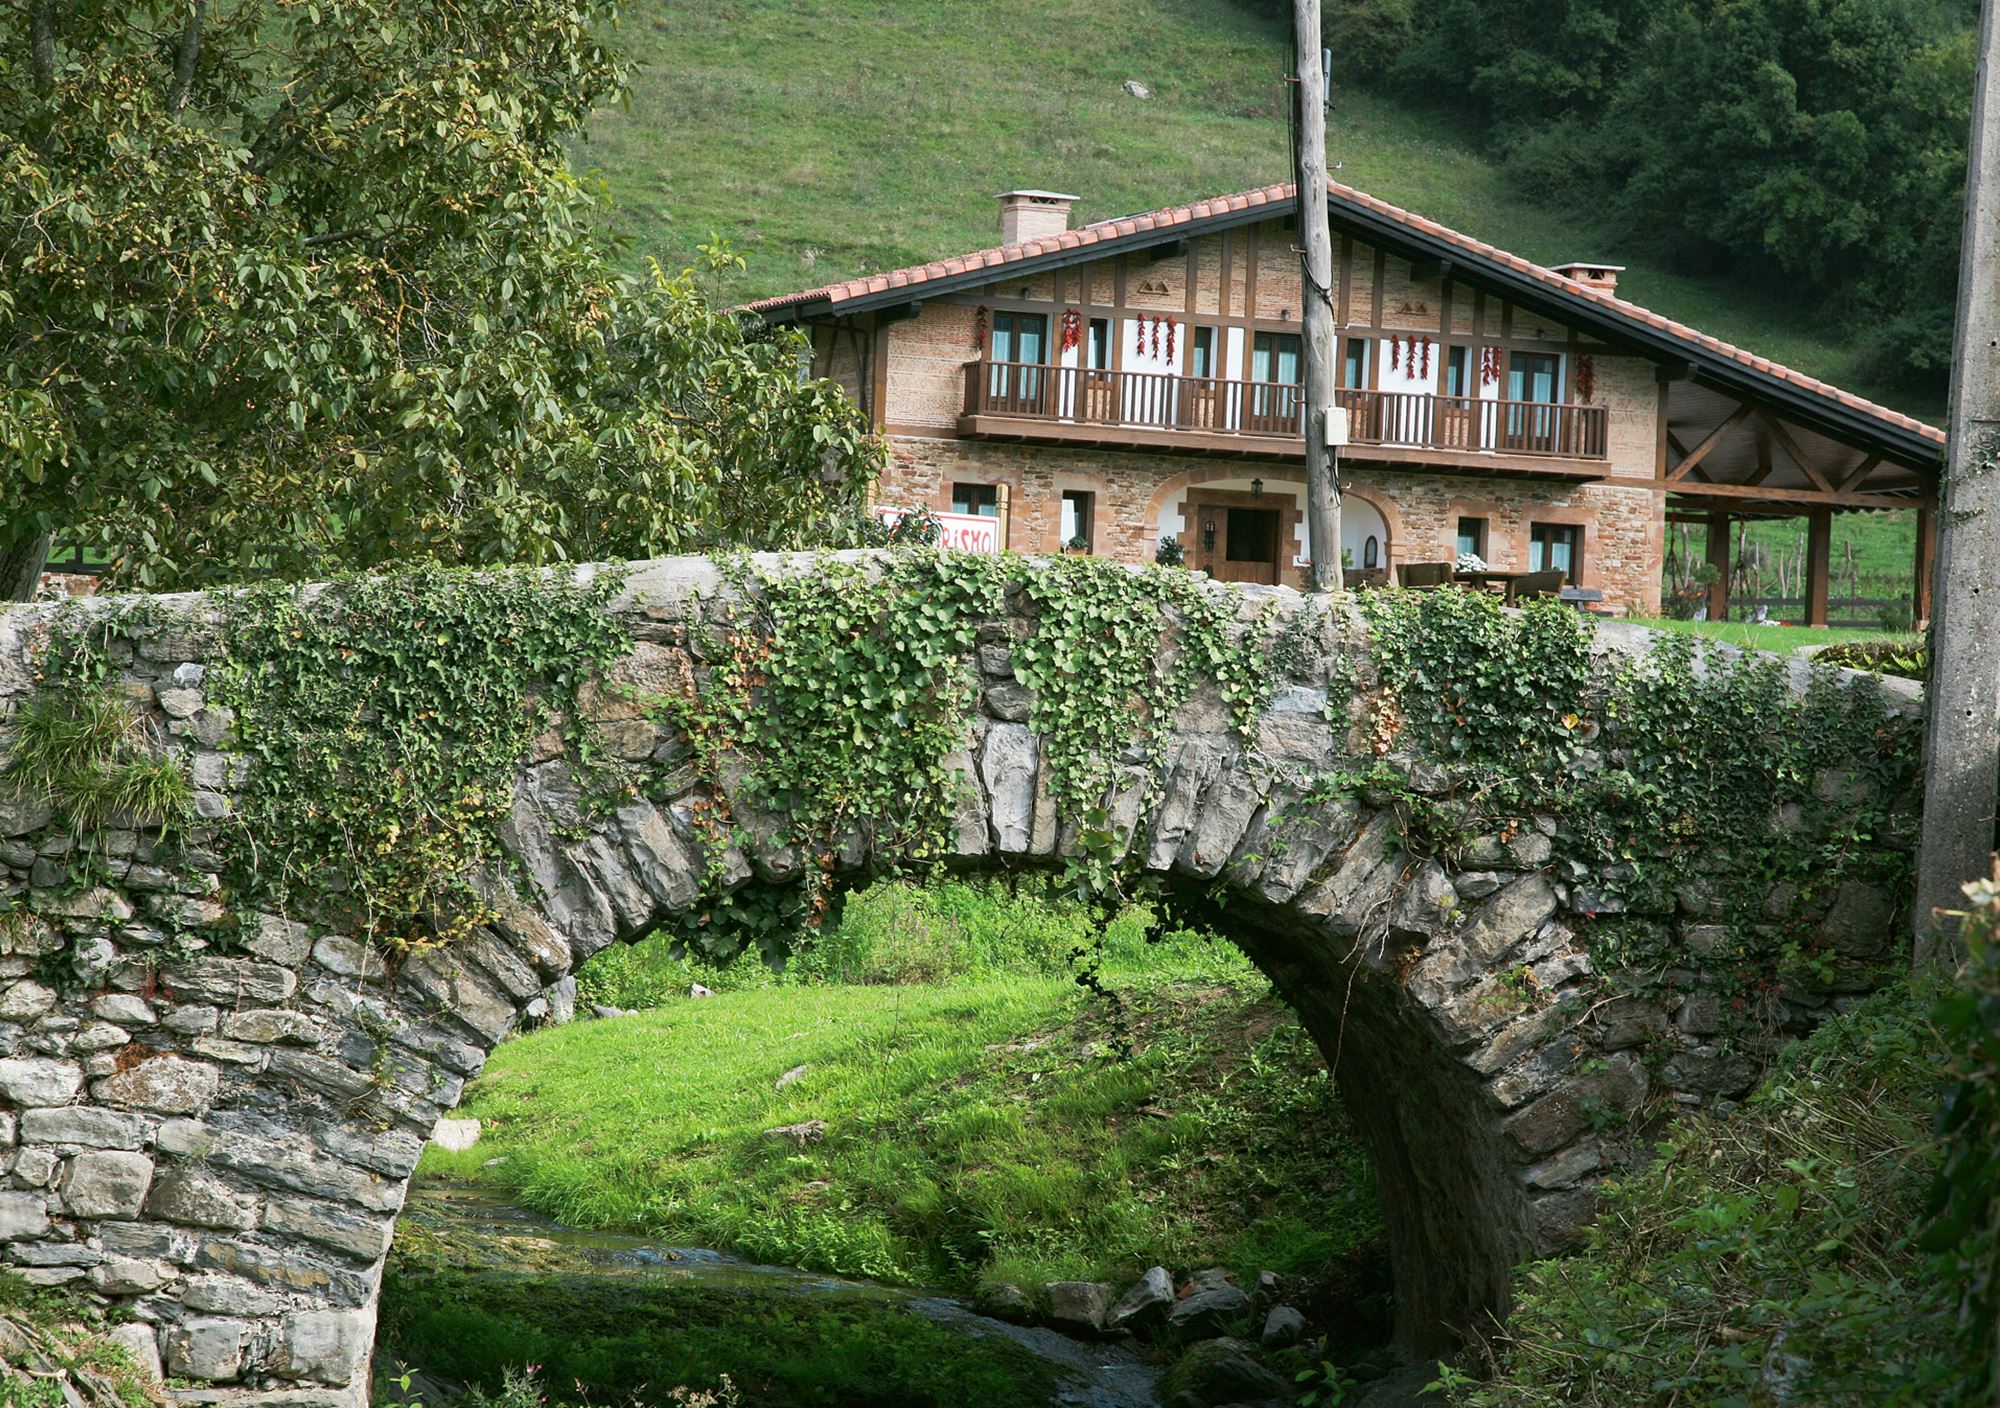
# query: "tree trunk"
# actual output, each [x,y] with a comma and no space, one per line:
[21,562]
[1316,257]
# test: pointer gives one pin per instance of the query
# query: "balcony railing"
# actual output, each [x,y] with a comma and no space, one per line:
[1080,398]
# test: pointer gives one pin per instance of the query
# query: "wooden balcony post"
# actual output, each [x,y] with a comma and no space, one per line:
[1819,563]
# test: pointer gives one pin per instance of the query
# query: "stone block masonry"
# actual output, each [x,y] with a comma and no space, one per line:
[216,1138]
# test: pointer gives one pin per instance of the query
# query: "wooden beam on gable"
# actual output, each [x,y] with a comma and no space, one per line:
[898,313]
[1691,461]
[1791,448]
[1664,372]
[1424,270]
[1715,494]
[1869,464]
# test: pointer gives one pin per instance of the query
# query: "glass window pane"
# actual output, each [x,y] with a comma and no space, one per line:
[1354,363]
[1531,376]
[981,499]
[1029,334]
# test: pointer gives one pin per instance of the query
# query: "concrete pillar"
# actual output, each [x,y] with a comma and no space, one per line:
[1718,557]
[1963,693]
[1819,563]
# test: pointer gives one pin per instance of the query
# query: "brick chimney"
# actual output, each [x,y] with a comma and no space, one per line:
[1591,274]
[1031,215]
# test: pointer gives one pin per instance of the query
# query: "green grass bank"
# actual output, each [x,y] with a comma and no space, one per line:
[985,1118]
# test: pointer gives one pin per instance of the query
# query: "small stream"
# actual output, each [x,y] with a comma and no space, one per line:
[490,1243]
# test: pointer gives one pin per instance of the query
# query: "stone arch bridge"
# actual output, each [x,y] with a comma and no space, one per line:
[193,1143]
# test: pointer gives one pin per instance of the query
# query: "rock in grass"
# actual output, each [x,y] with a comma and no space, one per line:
[1079,1305]
[455,1136]
[1222,1371]
[807,1132]
[697,990]
[1146,1304]
[789,1076]
[1004,1300]
[1283,1326]
[1209,1302]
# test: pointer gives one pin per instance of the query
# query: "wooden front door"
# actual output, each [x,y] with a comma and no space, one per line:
[1245,544]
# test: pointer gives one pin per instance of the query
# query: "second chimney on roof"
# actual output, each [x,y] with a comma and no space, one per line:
[1591,274]
[1033,215]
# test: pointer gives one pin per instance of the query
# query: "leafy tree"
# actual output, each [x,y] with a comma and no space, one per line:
[1822,140]
[296,285]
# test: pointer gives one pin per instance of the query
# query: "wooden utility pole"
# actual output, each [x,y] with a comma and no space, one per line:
[1316,260]
[1962,696]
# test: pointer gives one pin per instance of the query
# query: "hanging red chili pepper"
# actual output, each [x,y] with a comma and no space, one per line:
[1425,374]
[1072,328]
[1170,339]
[1156,337]
[1395,353]
[1586,379]
[979,327]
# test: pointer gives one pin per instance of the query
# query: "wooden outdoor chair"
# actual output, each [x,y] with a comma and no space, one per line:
[1532,585]
[1426,574]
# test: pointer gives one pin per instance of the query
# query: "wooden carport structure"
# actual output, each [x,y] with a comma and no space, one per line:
[1740,435]
[1728,459]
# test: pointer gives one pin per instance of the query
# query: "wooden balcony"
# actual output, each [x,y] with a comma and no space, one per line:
[1264,420]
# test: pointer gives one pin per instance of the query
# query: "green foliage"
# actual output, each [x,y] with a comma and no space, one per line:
[292,288]
[1766,1256]
[385,719]
[902,933]
[1825,142]
[837,697]
[1964,1204]
[604,1339]
[78,748]
[1653,770]
[895,932]
[60,1356]
[1905,659]
[1479,686]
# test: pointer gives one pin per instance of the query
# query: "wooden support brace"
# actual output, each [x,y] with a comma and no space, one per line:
[1791,448]
[1693,458]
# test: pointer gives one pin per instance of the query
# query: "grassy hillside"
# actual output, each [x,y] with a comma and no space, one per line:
[827,138]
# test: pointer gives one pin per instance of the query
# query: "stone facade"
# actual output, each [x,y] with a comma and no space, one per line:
[218,1142]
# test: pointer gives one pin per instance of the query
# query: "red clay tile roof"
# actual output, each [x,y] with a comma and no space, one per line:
[1280,199]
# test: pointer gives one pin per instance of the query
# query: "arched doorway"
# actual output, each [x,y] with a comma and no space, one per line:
[1364,534]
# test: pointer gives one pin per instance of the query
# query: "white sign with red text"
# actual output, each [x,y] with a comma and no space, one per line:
[963,532]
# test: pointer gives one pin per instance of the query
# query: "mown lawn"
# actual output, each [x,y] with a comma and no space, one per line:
[1780,639]
[979,1128]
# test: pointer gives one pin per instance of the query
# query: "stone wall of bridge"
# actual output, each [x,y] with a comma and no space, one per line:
[217,1139]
